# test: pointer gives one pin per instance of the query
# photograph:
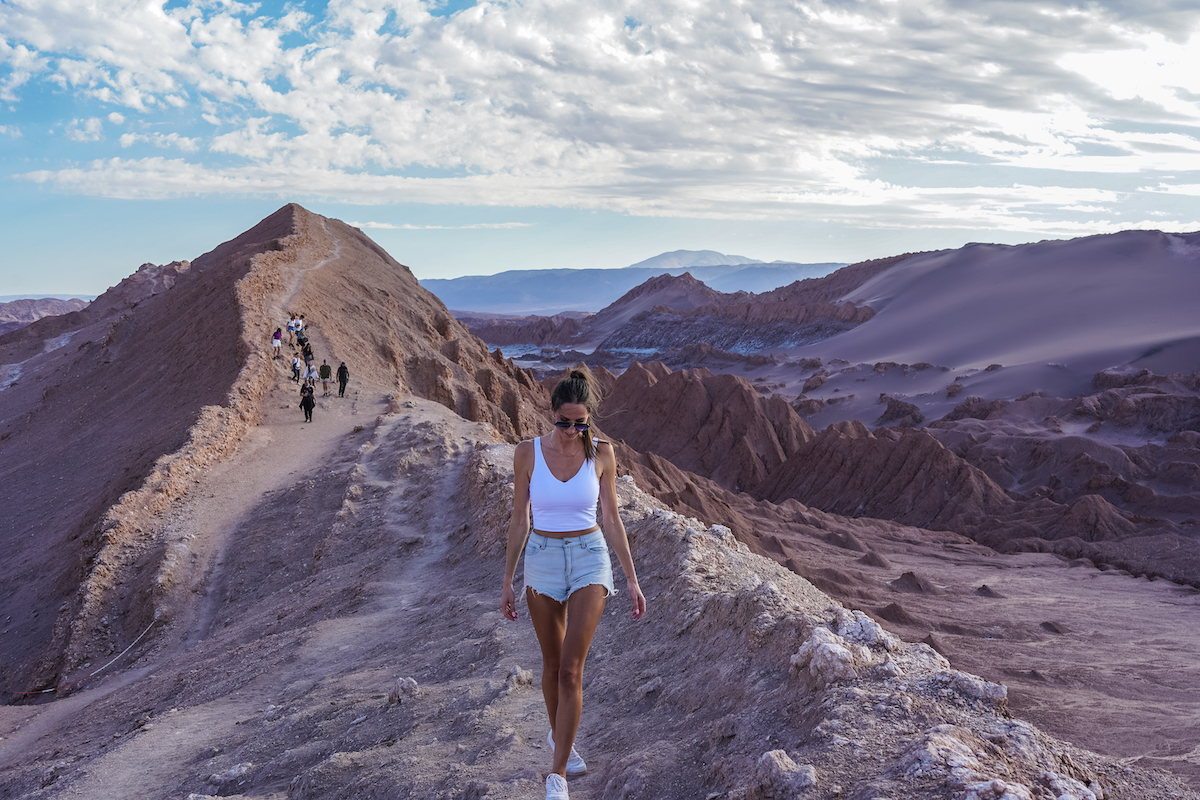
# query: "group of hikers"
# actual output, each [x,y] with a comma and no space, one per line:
[304,369]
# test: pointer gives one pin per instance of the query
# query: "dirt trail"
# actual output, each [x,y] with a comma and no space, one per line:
[352,656]
[274,454]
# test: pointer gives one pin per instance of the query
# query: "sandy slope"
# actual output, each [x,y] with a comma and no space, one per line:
[1051,314]
[1092,303]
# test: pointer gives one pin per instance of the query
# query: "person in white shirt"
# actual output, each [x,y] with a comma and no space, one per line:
[568,574]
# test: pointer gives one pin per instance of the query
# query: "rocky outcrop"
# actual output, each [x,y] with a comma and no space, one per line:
[899,414]
[1023,444]
[714,425]
[907,476]
[666,313]
[1154,408]
[558,329]
[19,313]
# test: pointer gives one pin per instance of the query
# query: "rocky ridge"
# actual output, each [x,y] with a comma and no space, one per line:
[668,311]
[206,324]
[19,313]
[717,425]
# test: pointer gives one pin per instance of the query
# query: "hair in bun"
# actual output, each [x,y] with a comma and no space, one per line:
[579,387]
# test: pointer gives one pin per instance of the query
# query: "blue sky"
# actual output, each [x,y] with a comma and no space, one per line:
[475,137]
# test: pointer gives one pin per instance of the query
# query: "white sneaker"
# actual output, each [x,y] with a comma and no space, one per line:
[575,763]
[556,787]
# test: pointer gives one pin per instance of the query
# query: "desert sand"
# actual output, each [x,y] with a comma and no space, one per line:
[230,602]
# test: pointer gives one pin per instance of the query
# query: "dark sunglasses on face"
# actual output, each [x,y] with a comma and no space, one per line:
[566,423]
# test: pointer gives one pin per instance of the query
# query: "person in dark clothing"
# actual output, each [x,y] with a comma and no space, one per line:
[326,372]
[343,376]
[307,401]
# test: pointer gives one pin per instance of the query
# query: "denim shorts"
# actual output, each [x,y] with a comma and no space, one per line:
[555,568]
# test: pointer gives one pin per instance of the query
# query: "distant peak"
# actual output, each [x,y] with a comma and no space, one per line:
[693,258]
[680,292]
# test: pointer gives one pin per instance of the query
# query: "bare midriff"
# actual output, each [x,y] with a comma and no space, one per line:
[565,534]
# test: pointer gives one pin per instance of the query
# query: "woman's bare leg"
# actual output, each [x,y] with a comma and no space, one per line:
[565,632]
[549,619]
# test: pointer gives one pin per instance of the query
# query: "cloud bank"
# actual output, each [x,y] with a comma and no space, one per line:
[1062,118]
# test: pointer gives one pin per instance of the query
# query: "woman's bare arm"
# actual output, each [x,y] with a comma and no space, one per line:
[518,525]
[614,528]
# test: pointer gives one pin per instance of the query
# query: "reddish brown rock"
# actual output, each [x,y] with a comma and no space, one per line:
[846,469]
[714,425]
[19,313]
[558,329]
[899,413]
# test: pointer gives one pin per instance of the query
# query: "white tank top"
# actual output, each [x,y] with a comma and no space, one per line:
[560,506]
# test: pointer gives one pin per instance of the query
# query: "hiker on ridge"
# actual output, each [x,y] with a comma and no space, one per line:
[568,573]
[307,401]
[326,372]
[343,376]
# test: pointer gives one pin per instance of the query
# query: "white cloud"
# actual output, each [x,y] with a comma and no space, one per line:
[85,130]
[163,140]
[717,108]
[23,63]
[10,130]
[116,118]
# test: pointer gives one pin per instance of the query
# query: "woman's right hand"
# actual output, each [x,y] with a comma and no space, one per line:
[508,602]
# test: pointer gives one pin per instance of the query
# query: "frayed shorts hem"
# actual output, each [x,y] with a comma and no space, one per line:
[608,592]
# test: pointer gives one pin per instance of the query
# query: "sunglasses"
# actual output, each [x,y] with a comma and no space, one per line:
[566,423]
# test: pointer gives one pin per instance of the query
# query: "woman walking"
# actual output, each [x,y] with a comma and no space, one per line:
[307,401]
[343,376]
[568,574]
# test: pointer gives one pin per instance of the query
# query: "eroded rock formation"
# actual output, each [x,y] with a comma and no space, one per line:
[714,425]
